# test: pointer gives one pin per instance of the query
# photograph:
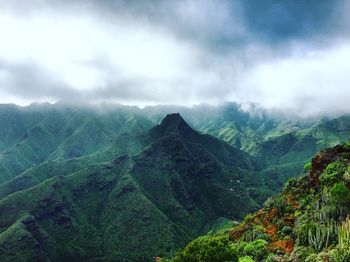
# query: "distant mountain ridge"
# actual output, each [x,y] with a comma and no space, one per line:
[88,171]
[85,130]
[56,133]
[281,144]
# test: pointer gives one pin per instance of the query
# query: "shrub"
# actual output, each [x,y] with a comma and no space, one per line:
[248,217]
[340,193]
[269,202]
[279,203]
[300,253]
[291,183]
[346,155]
[264,236]
[246,259]
[272,258]
[334,173]
[253,233]
[208,248]
[298,213]
[287,230]
[337,166]
[307,167]
[238,247]
[347,145]
[346,175]
[311,258]
[256,249]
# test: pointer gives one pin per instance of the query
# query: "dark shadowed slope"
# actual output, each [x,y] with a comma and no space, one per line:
[281,144]
[134,207]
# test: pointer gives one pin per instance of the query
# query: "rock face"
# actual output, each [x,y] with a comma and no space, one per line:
[308,221]
[132,208]
[300,222]
[324,158]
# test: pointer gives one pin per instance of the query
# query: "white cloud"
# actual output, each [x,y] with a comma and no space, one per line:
[85,53]
[315,82]
[189,52]
[210,18]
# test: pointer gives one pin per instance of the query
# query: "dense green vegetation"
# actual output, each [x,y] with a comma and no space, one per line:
[173,185]
[32,135]
[308,221]
[281,144]
[83,183]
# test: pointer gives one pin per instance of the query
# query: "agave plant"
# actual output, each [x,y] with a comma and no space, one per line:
[319,238]
[344,234]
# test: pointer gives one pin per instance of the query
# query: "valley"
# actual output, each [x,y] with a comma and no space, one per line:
[83,184]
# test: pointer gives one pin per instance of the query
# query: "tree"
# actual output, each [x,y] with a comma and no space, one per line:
[208,248]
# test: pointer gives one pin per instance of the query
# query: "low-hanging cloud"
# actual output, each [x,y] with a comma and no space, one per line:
[314,83]
[288,55]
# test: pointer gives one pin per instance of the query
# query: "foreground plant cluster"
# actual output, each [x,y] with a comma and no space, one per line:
[309,221]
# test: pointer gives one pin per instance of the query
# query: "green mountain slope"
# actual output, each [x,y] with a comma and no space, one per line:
[130,208]
[280,143]
[63,133]
[308,221]
[16,121]
[88,183]
[287,154]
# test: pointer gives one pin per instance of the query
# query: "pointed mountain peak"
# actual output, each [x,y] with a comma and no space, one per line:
[173,120]
[172,124]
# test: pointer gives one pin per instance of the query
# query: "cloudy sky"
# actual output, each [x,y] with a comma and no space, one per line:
[290,55]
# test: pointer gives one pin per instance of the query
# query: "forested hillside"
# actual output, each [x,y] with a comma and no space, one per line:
[173,185]
[109,183]
[308,221]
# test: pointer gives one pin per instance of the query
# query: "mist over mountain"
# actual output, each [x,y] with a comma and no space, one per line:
[286,55]
[152,193]
[102,180]
[175,131]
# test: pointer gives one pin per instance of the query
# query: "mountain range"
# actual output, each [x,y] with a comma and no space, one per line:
[119,183]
